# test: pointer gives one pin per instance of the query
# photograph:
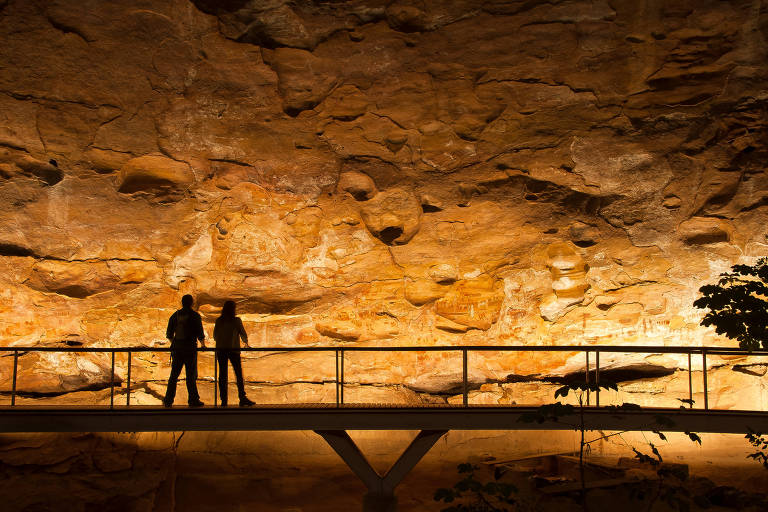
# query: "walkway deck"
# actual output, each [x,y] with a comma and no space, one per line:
[364,417]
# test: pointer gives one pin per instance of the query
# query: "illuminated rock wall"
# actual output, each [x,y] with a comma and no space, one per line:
[378,173]
[370,172]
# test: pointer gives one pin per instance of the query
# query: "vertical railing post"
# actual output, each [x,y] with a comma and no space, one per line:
[597,378]
[15,368]
[216,378]
[341,375]
[336,355]
[586,374]
[112,382]
[690,382]
[128,386]
[465,377]
[704,376]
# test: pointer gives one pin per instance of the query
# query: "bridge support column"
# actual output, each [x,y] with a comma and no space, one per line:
[381,490]
[379,503]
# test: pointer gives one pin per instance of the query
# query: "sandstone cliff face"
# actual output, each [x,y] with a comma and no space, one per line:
[376,172]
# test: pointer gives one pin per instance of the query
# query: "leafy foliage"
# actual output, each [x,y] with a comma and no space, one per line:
[472,495]
[674,496]
[626,406]
[738,304]
[760,442]
[584,386]
[558,410]
[654,459]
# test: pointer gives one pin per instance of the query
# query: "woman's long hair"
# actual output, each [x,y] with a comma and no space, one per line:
[228,311]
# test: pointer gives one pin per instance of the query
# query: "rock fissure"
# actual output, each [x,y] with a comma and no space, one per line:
[43,99]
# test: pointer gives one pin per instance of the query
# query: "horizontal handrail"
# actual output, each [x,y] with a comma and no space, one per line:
[643,349]
[464,350]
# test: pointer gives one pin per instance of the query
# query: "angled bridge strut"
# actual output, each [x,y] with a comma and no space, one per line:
[381,489]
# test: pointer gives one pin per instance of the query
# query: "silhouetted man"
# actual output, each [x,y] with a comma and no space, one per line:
[185,328]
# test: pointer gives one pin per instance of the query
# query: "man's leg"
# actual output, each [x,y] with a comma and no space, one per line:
[221,359]
[190,362]
[177,361]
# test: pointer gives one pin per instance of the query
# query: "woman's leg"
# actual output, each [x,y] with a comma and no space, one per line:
[221,359]
[237,366]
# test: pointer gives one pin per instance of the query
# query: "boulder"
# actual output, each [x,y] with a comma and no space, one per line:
[304,80]
[358,185]
[392,216]
[423,291]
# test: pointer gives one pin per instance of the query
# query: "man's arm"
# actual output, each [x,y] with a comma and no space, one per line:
[171,327]
[200,331]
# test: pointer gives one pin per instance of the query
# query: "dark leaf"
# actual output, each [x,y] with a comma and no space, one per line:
[694,437]
[642,457]
[563,391]
[656,452]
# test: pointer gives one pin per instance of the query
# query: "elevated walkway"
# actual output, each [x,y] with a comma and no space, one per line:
[332,423]
[333,420]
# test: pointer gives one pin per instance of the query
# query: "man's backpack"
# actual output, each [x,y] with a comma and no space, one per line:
[185,325]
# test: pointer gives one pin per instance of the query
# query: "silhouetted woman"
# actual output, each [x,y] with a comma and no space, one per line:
[228,331]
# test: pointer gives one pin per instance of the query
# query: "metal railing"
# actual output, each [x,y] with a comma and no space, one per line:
[339,353]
